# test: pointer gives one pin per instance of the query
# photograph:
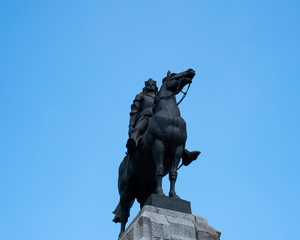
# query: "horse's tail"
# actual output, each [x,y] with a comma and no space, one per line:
[117,213]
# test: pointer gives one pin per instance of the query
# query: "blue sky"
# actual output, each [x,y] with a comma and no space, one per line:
[69,71]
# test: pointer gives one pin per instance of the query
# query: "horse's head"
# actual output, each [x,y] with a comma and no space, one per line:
[176,81]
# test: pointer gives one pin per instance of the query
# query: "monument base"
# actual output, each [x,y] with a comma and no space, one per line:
[154,223]
[175,204]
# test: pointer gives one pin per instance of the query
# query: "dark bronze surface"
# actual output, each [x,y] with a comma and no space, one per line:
[175,204]
[157,137]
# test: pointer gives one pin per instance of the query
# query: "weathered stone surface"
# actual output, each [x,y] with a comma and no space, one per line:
[206,232]
[153,223]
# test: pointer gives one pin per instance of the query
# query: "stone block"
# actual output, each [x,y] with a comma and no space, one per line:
[153,223]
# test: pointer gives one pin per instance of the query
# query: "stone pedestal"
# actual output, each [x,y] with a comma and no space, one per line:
[154,223]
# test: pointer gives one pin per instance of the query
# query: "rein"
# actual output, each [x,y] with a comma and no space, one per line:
[184,94]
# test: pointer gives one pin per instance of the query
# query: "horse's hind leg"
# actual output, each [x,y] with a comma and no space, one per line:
[158,152]
[173,171]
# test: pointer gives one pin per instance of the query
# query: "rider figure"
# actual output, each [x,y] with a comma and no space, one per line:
[142,110]
[141,113]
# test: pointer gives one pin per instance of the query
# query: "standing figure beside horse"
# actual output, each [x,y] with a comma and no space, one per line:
[157,137]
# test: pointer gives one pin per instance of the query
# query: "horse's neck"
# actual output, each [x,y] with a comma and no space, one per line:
[168,105]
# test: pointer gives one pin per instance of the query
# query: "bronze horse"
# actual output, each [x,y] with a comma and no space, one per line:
[159,153]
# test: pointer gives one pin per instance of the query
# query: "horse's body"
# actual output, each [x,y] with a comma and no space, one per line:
[160,151]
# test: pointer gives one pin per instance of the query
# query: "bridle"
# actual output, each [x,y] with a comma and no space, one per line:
[172,95]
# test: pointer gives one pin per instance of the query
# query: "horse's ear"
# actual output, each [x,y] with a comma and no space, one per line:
[169,73]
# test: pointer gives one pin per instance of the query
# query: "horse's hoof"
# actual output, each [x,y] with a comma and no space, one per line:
[160,192]
[121,234]
[174,195]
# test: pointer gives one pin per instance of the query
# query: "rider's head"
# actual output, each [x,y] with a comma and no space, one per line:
[150,85]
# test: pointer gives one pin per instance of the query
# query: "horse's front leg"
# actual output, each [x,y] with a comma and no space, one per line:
[173,171]
[158,152]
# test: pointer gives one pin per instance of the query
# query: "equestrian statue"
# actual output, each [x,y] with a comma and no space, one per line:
[157,137]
